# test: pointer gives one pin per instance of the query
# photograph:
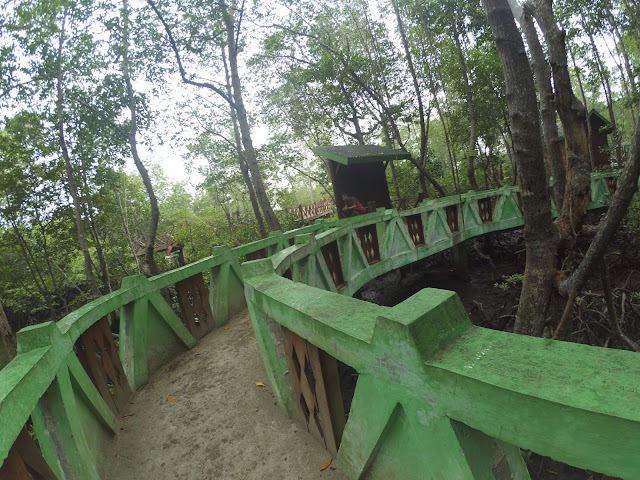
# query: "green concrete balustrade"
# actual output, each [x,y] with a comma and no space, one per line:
[436,397]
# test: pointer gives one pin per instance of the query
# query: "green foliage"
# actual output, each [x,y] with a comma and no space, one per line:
[327,73]
[509,281]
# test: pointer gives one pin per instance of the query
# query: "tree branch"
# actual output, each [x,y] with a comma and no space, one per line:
[183,74]
[627,186]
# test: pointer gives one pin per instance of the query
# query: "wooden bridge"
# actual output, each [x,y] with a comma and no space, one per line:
[436,397]
[309,213]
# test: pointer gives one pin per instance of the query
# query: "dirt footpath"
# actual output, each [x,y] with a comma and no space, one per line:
[203,417]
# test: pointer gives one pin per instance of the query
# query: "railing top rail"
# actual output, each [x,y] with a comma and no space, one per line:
[76,322]
[531,392]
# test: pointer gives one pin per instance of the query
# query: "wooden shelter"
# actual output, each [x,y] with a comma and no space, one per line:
[359,171]
[600,128]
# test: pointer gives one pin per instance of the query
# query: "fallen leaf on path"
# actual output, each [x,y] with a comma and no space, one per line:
[170,399]
[226,327]
[259,384]
[326,464]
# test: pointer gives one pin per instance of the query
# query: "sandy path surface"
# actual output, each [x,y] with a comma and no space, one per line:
[202,417]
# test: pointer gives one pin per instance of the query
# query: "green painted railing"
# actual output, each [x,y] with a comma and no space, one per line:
[423,368]
[437,397]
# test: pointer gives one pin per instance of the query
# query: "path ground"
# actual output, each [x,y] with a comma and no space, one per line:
[202,417]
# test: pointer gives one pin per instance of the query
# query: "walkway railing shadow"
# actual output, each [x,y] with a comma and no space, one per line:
[429,381]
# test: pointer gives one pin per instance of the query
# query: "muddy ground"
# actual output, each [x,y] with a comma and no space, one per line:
[492,302]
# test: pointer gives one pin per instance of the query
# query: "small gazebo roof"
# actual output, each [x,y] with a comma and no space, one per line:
[599,121]
[356,154]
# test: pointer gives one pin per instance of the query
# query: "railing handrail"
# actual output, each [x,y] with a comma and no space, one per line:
[430,340]
[37,342]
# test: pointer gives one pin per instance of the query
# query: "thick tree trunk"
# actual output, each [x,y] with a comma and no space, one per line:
[243,122]
[573,116]
[354,119]
[542,74]
[540,234]
[133,144]
[241,162]
[394,177]
[71,181]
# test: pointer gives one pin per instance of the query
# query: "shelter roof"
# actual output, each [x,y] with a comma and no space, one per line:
[355,154]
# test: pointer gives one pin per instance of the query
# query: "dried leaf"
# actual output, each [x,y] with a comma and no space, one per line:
[326,464]
[170,399]
[259,384]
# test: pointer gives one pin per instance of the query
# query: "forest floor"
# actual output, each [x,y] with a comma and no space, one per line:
[492,302]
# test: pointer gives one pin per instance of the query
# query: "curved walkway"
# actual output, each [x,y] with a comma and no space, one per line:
[202,417]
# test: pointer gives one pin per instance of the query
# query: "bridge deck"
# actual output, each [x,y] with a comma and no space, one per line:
[202,417]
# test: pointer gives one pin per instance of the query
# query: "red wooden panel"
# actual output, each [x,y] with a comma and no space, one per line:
[452,217]
[332,257]
[308,376]
[415,227]
[369,240]
[99,357]
[193,297]
[25,461]
[485,208]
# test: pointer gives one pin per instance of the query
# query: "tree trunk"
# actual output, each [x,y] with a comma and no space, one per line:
[626,187]
[627,64]
[542,74]
[125,224]
[146,180]
[473,121]
[243,122]
[573,116]
[57,289]
[578,77]
[104,267]
[8,348]
[93,227]
[243,165]
[34,270]
[394,177]
[424,132]
[71,182]
[604,78]
[359,134]
[629,96]
[540,234]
